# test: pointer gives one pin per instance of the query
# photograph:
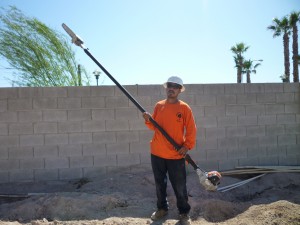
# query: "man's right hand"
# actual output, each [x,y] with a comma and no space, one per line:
[146,116]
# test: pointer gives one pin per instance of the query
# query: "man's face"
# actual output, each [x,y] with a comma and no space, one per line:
[173,90]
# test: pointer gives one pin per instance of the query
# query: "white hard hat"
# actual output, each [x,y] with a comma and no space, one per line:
[175,80]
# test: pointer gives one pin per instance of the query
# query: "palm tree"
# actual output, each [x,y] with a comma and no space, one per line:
[280,27]
[294,19]
[239,49]
[249,67]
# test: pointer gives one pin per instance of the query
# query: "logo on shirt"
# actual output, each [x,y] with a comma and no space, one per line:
[179,116]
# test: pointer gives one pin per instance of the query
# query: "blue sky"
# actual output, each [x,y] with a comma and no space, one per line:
[145,42]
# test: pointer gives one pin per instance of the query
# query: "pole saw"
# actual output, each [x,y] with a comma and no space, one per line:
[209,180]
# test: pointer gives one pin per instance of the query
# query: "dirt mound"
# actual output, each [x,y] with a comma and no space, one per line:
[129,198]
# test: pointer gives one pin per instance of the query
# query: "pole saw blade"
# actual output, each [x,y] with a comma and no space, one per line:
[75,39]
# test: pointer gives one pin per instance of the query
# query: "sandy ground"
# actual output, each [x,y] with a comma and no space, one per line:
[129,198]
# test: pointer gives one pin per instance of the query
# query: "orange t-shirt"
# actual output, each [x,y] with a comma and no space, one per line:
[178,121]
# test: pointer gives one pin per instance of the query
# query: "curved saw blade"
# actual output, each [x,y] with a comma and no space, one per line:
[75,39]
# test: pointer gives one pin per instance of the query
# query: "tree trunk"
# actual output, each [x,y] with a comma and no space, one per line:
[295,54]
[248,78]
[286,56]
[239,72]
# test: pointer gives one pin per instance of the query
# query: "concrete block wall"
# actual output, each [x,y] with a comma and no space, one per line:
[68,133]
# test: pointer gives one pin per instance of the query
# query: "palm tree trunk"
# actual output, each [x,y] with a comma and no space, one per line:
[239,72]
[295,54]
[248,78]
[286,56]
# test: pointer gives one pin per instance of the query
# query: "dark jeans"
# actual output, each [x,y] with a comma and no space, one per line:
[177,176]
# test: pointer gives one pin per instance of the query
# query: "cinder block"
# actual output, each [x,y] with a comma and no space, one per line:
[81,161]
[69,127]
[46,175]
[189,99]
[4,177]
[214,89]
[268,141]
[266,97]
[131,89]
[288,161]
[117,148]
[139,147]
[103,114]
[235,110]
[104,137]
[3,105]
[228,164]
[247,120]
[205,100]
[34,163]
[285,97]
[69,150]
[293,150]
[21,175]
[70,173]
[267,120]
[245,142]
[227,143]
[226,99]
[93,102]
[79,115]
[45,103]
[268,161]
[77,91]
[252,110]
[30,92]
[214,110]
[292,128]
[54,115]
[137,125]
[218,132]
[249,161]
[105,160]
[30,116]
[31,140]
[9,93]
[227,121]
[69,103]
[273,88]
[45,128]
[237,153]
[127,136]
[208,143]
[246,99]
[48,151]
[286,119]
[194,89]
[117,125]
[235,132]
[256,152]
[292,108]
[7,117]
[21,152]
[146,159]
[219,154]
[93,126]
[93,149]
[106,90]
[146,135]
[116,102]
[20,104]
[57,163]
[273,130]
[150,90]
[234,88]
[289,139]
[54,92]
[277,151]
[144,101]
[254,88]
[20,128]
[58,139]
[291,87]
[127,113]
[272,109]
[80,138]
[4,153]
[128,159]
[9,141]
[207,122]
[9,164]
[255,131]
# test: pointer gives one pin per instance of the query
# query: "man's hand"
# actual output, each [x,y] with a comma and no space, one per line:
[183,150]
[146,116]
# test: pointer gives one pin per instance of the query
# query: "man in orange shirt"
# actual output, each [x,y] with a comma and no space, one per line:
[176,118]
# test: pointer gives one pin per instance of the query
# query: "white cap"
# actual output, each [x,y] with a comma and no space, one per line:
[175,80]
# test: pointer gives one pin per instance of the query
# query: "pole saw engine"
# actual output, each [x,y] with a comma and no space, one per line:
[209,180]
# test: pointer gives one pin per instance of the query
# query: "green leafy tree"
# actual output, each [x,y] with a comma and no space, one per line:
[249,66]
[294,19]
[40,55]
[282,27]
[239,49]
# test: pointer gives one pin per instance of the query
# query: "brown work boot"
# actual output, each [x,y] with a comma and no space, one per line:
[185,219]
[158,214]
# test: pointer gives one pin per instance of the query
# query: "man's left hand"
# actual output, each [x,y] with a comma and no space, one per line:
[183,150]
